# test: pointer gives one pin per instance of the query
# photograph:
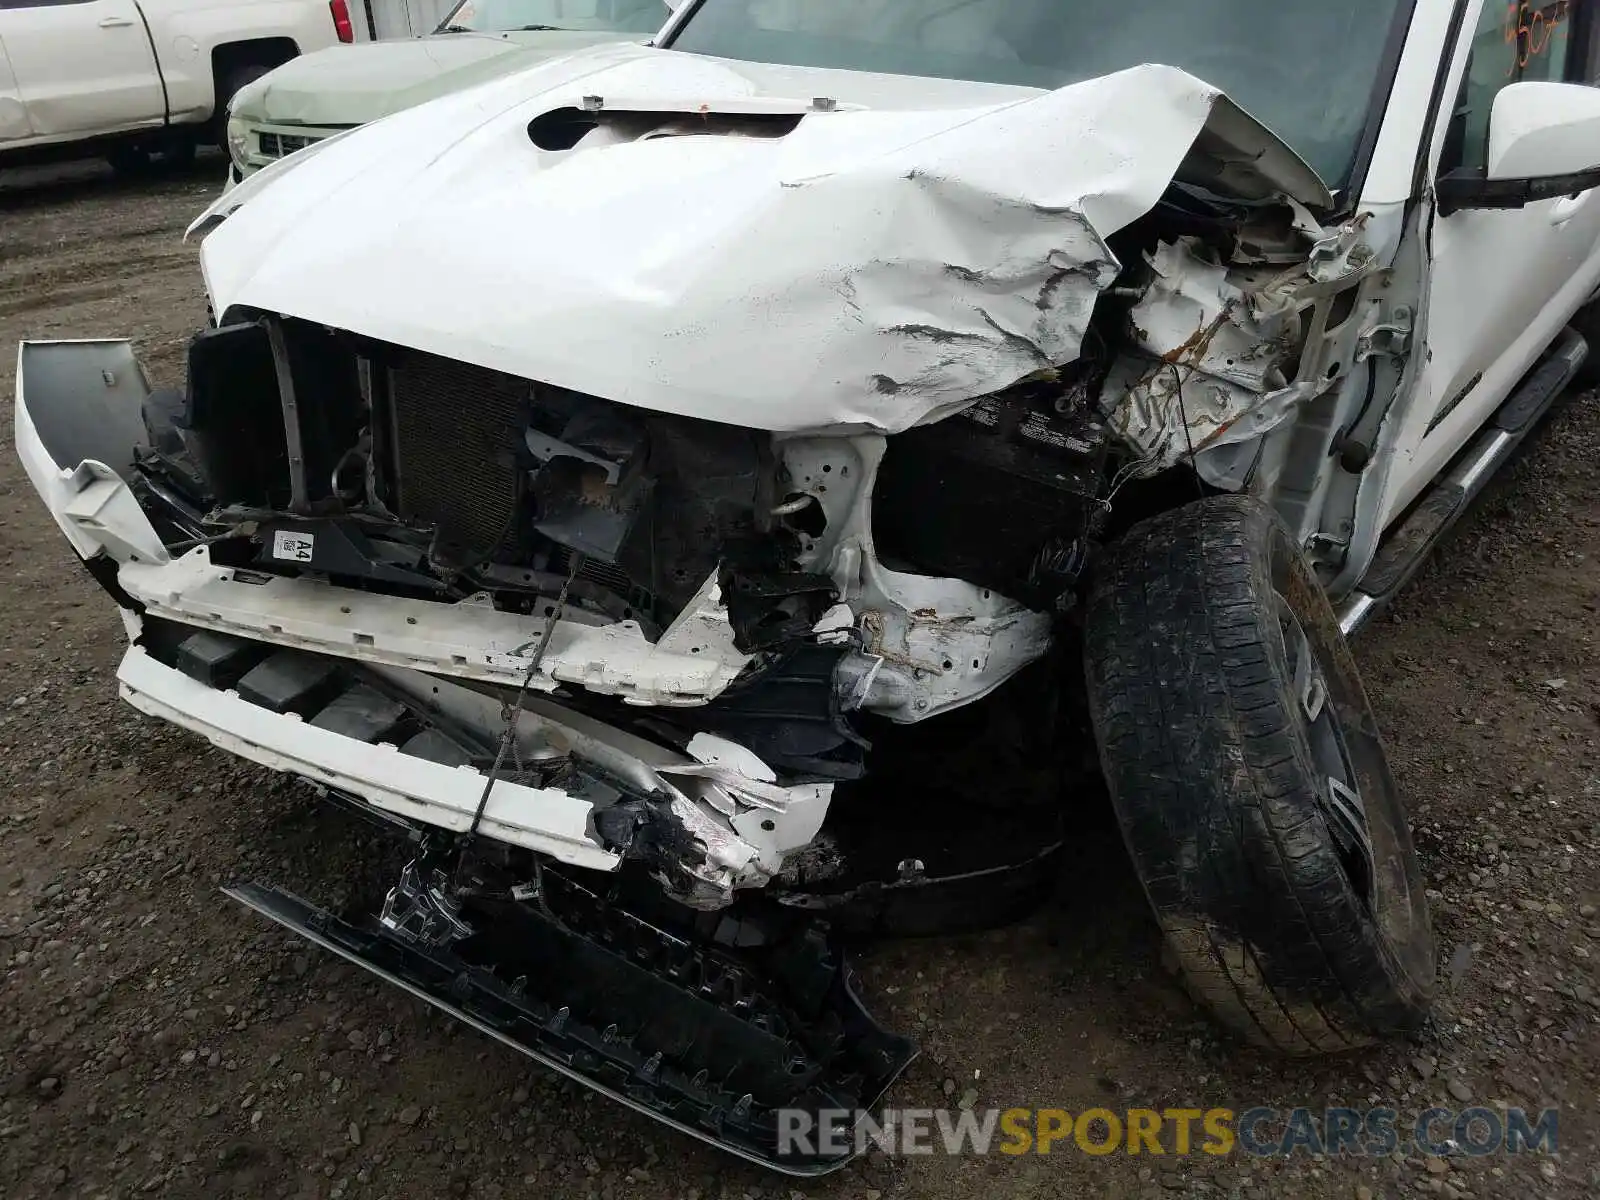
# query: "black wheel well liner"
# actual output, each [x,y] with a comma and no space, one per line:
[247,52]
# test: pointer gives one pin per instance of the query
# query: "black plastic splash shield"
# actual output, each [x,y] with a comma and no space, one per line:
[598,1059]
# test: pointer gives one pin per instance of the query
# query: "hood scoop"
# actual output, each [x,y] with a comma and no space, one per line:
[564,128]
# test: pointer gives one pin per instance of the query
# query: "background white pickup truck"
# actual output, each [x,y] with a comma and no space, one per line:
[138,79]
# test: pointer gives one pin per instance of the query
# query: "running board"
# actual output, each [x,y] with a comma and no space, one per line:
[695,1042]
[1406,547]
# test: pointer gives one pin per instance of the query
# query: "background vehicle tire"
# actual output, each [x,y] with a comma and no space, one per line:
[1251,785]
[227,87]
[142,160]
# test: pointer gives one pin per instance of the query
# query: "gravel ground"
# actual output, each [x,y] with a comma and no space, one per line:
[162,1041]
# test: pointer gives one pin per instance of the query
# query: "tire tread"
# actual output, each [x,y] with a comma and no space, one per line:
[1202,752]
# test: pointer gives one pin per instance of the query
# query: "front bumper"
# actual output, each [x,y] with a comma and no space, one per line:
[635,808]
[730,821]
[543,819]
[729,828]
[710,751]
[268,142]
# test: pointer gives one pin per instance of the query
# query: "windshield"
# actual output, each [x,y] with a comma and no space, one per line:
[590,16]
[1307,69]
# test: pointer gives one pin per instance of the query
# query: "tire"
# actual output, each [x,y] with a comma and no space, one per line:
[1226,705]
[146,160]
[227,87]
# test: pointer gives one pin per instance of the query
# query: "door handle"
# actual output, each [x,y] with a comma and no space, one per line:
[1564,209]
[114,22]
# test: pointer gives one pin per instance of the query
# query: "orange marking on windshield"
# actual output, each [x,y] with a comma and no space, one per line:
[1531,30]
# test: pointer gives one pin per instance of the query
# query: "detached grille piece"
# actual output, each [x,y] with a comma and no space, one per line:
[456,433]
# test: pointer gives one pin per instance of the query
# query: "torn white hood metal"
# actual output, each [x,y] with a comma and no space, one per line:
[926,242]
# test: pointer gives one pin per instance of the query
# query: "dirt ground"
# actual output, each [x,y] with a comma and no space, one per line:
[157,1039]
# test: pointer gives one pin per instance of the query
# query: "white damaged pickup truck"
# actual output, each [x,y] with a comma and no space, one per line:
[737,496]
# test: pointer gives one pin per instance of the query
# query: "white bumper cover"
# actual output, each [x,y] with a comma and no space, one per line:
[542,819]
[740,820]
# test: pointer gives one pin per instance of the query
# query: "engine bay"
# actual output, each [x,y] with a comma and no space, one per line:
[303,449]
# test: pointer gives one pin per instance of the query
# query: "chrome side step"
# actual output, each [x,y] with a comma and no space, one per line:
[1407,545]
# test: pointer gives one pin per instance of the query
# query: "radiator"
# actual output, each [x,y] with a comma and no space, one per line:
[456,430]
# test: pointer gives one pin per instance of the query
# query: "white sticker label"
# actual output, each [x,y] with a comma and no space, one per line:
[291,546]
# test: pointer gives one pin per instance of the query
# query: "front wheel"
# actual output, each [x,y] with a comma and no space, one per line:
[149,159]
[1251,785]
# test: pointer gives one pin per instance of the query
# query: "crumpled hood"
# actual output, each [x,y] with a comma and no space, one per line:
[351,85]
[876,267]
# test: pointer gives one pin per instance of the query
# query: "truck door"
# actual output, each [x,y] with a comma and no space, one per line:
[13,117]
[83,67]
[1504,281]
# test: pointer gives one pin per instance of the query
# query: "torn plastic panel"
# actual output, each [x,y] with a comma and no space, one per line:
[1227,345]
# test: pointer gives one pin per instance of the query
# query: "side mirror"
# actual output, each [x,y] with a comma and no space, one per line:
[1540,129]
[1544,142]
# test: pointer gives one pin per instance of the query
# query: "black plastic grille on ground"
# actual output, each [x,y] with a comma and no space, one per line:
[614,1056]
